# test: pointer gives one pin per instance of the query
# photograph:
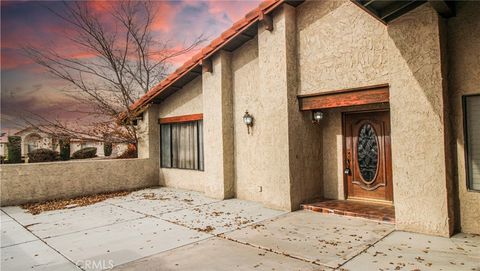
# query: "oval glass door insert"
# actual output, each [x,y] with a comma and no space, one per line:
[367,153]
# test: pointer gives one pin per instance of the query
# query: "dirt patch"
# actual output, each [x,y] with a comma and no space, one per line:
[152,196]
[207,229]
[37,208]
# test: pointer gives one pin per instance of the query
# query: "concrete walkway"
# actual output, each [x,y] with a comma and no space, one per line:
[171,229]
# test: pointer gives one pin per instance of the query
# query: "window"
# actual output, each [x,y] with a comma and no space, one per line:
[471,107]
[182,145]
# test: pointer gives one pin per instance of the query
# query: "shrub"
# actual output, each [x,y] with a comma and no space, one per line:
[64,149]
[131,152]
[107,148]
[14,149]
[43,155]
[85,153]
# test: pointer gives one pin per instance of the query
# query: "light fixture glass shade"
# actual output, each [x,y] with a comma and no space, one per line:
[317,116]
[247,119]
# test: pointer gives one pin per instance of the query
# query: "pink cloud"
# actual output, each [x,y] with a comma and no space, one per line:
[29,24]
[166,12]
[234,9]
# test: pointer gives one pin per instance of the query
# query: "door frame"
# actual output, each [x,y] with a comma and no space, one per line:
[345,179]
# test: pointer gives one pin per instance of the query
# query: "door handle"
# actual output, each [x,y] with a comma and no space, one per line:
[347,170]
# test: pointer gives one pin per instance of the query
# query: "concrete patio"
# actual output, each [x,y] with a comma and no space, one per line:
[171,229]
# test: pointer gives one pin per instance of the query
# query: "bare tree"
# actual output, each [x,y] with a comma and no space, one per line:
[127,61]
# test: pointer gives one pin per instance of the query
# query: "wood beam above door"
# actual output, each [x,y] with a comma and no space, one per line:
[347,97]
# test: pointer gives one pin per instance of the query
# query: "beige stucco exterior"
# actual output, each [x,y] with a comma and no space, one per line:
[406,55]
[464,79]
[218,127]
[22,183]
[245,78]
[186,101]
[272,165]
[322,46]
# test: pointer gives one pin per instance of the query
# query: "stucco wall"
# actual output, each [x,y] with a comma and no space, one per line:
[218,128]
[249,162]
[271,117]
[183,178]
[22,183]
[464,76]
[186,101]
[341,46]
[304,137]
[148,134]
[332,155]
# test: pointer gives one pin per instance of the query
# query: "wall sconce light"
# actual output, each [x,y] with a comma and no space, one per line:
[317,116]
[248,120]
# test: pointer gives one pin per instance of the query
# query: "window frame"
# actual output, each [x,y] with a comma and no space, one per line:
[466,142]
[195,118]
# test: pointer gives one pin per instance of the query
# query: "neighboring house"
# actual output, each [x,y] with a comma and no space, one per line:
[376,102]
[33,139]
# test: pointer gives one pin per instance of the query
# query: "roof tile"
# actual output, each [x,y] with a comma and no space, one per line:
[228,33]
[216,42]
[239,24]
[253,14]
[206,50]
[266,4]
[197,57]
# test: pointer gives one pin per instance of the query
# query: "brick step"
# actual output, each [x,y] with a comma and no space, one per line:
[369,210]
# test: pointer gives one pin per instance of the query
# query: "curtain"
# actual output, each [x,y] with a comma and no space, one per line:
[182,145]
[185,145]
[472,108]
[200,147]
[166,153]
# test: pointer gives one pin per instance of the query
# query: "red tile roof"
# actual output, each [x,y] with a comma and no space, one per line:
[250,18]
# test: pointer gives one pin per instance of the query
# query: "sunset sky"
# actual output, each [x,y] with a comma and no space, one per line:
[26,87]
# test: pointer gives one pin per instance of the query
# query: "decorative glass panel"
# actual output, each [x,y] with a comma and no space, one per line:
[367,152]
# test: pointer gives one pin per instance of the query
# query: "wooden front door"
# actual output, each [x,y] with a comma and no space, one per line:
[367,156]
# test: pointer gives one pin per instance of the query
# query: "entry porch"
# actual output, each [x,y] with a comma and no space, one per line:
[173,229]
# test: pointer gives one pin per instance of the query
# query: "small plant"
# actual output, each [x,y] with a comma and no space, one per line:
[85,153]
[107,148]
[43,155]
[65,149]
[131,152]
[14,149]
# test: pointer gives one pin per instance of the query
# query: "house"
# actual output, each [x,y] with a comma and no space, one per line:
[364,101]
[33,138]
